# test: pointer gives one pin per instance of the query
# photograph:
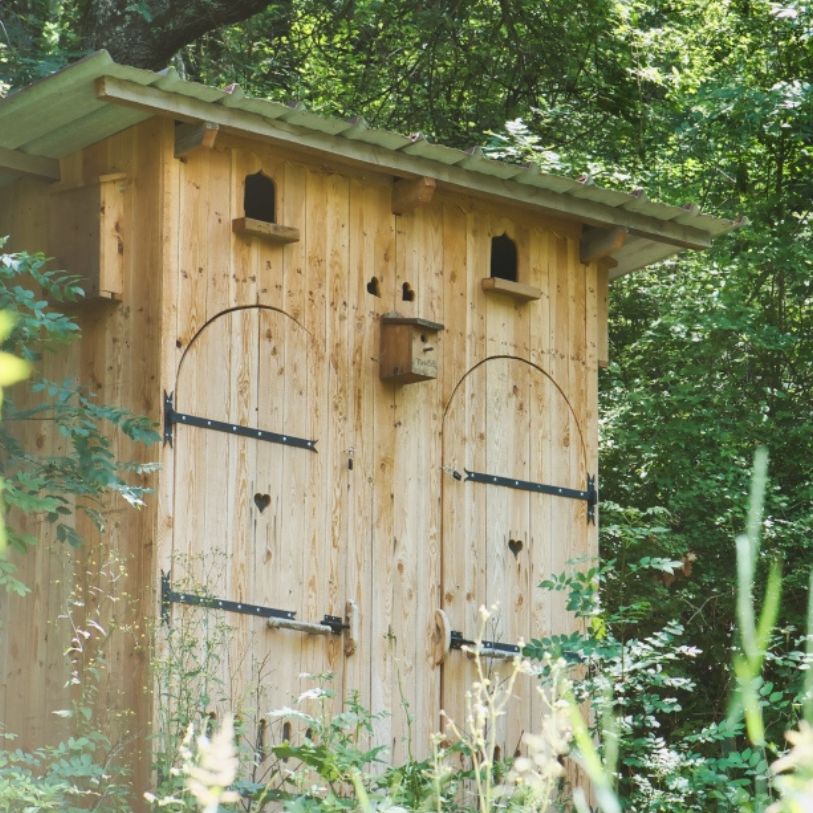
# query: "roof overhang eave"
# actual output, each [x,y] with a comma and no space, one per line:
[95,98]
[398,162]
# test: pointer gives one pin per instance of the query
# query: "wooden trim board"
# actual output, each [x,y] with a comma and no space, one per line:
[29,164]
[518,290]
[270,232]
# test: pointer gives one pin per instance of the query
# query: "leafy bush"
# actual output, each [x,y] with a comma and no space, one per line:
[54,487]
[333,770]
[78,774]
[84,771]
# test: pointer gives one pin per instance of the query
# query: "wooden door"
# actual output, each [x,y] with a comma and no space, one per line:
[508,420]
[249,514]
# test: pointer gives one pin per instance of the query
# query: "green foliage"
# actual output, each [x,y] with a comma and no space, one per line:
[12,371]
[72,776]
[639,684]
[187,669]
[644,684]
[82,470]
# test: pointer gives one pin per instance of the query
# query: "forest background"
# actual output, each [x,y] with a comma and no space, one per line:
[694,101]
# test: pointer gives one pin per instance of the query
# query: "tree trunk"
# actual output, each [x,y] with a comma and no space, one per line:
[146,34]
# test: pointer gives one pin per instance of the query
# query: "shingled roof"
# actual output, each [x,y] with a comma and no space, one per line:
[96,98]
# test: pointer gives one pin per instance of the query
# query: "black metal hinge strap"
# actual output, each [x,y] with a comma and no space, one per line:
[486,649]
[171,417]
[524,485]
[589,495]
[170,596]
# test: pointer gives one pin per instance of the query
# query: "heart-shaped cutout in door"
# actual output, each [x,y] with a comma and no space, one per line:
[262,501]
[515,546]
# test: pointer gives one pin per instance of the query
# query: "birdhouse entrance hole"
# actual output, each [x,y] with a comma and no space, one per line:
[260,221]
[259,199]
[504,258]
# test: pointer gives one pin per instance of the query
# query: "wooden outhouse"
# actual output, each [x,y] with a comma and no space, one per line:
[374,361]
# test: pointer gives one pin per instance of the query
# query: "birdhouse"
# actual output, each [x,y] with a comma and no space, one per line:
[260,278]
[409,349]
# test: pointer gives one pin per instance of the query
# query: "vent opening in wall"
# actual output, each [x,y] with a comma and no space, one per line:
[504,258]
[259,200]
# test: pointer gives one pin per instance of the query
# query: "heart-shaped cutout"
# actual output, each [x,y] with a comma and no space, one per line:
[515,546]
[262,501]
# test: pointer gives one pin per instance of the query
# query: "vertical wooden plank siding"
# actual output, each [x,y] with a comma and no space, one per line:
[170,350]
[335,422]
[232,269]
[560,420]
[454,363]
[118,361]
[577,274]
[372,441]
[409,472]
[542,394]
[464,519]
[325,570]
[596,334]
[353,489]
[287,274]
[307,521]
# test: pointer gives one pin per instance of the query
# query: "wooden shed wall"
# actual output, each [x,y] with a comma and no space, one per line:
[261,334]
[117,359]
[370,531]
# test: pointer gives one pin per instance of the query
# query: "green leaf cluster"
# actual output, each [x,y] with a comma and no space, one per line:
[83,470]
[72,776]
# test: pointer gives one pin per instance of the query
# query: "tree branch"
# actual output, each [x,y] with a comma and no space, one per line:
[146,34]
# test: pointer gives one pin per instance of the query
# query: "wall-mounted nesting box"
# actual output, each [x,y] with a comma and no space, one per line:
[274,273]
[85,222]
[409,349]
